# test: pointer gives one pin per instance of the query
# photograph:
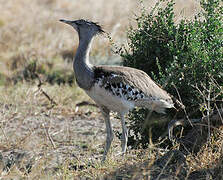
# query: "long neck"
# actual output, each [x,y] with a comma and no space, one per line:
[82,68]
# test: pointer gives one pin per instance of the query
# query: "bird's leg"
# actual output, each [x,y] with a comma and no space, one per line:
[110,135]
[124,138]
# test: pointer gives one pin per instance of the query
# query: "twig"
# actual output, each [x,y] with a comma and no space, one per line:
[165,166]
[183,107]
[43,92]
[208,112]
[86,103]
[47,96]
[196,87]
[6,137]
[219,113]
[49,137]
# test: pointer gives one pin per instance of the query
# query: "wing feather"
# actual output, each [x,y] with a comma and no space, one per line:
[133,77]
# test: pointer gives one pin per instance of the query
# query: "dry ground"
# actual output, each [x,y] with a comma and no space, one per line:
[39,140]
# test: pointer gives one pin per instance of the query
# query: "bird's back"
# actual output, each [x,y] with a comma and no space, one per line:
[132,85]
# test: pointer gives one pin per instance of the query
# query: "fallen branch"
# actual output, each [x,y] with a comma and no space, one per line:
[215,116]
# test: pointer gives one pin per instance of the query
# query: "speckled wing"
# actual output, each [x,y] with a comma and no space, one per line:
[135,85]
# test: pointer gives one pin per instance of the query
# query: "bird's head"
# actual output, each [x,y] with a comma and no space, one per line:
[84,27]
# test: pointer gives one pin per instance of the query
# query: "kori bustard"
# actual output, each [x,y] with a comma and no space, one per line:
[114,88]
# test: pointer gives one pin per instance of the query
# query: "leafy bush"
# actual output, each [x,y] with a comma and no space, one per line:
[186,58]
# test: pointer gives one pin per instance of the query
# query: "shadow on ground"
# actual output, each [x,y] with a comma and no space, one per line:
[170,166]
[174,163]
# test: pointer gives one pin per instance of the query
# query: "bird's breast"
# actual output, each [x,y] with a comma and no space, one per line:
[110,97]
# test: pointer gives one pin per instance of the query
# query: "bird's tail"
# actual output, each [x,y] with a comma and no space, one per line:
[161,105]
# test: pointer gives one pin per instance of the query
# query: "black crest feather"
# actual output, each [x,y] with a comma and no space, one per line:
[100,30]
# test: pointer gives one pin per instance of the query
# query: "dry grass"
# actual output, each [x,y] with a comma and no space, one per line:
[77,135]
[28,121]
[31,30]
[63,142]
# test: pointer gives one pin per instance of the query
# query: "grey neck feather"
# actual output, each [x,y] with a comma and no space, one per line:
[82,68]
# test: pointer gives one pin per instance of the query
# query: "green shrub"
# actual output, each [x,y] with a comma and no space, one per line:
[184,58]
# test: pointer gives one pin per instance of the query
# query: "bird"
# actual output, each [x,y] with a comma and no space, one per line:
[114,88]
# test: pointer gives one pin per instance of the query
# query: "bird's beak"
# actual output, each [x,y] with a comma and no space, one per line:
[67,21]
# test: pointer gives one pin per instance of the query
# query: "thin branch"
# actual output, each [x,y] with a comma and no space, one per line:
[183,107]
[86,103]
[219,113]
[208,112]
[43,92]
[165,166]
[6,137]
[48,136]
